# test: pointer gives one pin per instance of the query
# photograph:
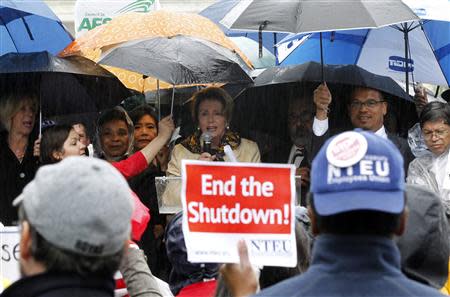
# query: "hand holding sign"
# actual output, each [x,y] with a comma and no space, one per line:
[240,278]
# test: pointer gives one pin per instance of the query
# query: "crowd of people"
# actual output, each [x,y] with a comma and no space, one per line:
[72,194]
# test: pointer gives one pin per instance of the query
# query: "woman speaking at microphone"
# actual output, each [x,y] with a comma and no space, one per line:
[211,112]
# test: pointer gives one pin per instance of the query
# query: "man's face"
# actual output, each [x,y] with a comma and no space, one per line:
[437,136]
[300,121]
[367,109]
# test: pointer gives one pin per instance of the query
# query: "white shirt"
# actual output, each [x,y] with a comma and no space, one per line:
[320,127]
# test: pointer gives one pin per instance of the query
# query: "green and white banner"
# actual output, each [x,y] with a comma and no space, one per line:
[93,13]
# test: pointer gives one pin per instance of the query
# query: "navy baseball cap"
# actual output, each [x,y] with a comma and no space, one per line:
[358,170]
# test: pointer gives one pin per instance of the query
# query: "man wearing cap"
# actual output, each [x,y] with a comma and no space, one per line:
[75,224]
[366,109]
[357,206]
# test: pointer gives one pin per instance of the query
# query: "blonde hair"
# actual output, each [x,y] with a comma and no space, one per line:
[10,104]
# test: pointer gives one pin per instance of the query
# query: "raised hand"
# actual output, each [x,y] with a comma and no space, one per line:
[322,100]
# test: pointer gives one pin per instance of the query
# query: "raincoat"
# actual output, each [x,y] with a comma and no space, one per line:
[432,172]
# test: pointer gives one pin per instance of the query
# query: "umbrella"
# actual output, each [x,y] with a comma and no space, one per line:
[303,16]
[382,51]
[137,26]
[30,26]
[65,86]
[351,75]
[250,48]
[425,57]
[216,11]
[179,60]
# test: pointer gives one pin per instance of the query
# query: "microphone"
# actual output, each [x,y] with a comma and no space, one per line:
[206,140]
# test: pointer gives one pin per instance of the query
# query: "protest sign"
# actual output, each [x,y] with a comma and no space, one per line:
[226,202]
[9,254]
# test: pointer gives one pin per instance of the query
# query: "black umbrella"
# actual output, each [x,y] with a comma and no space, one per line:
[351,75]
[65,85]
[179,60]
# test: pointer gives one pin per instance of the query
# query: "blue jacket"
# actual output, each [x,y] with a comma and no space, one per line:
[352,266]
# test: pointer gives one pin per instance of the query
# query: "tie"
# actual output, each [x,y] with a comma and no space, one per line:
[298,157]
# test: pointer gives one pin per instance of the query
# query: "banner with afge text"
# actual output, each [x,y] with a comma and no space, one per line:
[226,202]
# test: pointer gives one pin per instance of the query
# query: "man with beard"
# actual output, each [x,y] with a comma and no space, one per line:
[300,120]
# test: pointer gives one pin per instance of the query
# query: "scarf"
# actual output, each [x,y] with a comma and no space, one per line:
[193,144]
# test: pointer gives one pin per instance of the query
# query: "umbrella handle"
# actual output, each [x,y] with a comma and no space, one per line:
[173,99]
[321,59]
[260,38]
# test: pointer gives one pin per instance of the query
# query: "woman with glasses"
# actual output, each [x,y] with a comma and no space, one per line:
[432,170]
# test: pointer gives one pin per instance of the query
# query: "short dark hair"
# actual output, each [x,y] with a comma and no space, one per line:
[435,111]
[113,114]
[358,222]
[53,139]
[137,113]
[57,260]
[354,89]
[214,94]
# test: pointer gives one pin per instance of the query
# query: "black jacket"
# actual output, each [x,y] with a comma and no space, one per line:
[61,285]
[13,177]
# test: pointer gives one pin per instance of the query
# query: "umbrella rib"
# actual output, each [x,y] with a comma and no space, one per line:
[9,33]
[28,28]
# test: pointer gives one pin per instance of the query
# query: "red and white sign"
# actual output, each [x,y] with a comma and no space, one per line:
[226,202]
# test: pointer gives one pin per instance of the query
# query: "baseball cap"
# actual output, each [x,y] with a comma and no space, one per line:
[80,204]
[358,170]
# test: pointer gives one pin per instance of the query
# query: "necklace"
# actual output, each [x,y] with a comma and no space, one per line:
[20,153]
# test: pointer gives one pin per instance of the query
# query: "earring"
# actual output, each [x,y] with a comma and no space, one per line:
[198,128]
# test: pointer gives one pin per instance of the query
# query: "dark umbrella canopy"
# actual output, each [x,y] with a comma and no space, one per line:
[179,60]
[351,75]
[65,85]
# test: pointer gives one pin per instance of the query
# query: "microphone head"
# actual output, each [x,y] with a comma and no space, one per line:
[205,140]
[206,137]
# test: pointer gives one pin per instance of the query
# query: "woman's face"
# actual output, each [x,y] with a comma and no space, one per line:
[23,121]
[114,138]
[437,137]
[73,146]
[211,119]
[145,130]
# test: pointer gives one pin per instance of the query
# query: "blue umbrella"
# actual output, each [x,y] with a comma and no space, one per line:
[414,51]
[30,26]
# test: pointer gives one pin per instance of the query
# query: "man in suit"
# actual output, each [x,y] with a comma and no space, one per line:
[300,120]
[366,108]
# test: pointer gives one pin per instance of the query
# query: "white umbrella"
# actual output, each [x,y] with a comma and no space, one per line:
[305,16]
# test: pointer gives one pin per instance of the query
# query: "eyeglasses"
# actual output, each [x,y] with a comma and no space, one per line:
[371,103]
[428,134]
